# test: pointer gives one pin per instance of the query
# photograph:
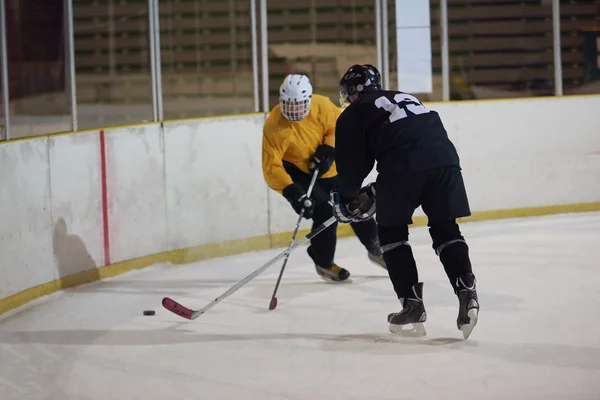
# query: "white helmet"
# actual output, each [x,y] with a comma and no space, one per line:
[295,94]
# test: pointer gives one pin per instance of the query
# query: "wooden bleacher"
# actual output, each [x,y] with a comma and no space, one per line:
[499,46]
[508,45]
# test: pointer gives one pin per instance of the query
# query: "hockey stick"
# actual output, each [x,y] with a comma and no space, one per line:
[273,302]
[188,313]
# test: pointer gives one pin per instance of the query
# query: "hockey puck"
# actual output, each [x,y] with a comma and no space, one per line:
[149,312]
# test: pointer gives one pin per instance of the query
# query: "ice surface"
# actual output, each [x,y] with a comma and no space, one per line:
[538,335]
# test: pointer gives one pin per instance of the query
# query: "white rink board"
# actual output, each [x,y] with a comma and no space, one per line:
[25,219]
[136,192]
[76,202]
[283,217]
[527,153]
[215,189]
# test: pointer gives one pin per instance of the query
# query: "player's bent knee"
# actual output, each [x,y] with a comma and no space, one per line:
[441,247]
[392,237]
[445,233]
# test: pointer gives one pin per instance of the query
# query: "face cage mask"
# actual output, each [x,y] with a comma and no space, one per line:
[345,93]
[295,110]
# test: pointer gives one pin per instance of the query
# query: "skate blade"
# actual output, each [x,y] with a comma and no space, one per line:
[336,281]
[466,329]
[416,329]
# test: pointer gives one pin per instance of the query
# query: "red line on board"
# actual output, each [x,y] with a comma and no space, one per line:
[104,199]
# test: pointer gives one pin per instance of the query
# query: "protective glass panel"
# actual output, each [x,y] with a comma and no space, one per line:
[321,39]
[500,49]
[38,99]
[112,62]
[206,58]
[580,43]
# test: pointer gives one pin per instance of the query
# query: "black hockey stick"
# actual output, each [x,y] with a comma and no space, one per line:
[273,302]
[188,313]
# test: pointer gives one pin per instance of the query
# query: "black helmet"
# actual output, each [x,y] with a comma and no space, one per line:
[359,79]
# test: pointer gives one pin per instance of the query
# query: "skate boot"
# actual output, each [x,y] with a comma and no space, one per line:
[468,308]
[409,321]
[333,273]
[376,255]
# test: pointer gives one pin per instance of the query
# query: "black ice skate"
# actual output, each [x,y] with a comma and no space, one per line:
[468,308]
[409,321]
[377,259]
[334,273]
[376,255]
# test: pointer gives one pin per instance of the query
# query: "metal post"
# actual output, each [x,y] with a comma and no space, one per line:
[70,62]
[264,54]
[155,66]
[254,39]
[157,63]
[558,84]
[386,42]
[152,39]
[4,61]
[445,50]
[378,33]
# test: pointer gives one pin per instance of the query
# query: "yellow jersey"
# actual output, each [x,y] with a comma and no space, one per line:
[296,142]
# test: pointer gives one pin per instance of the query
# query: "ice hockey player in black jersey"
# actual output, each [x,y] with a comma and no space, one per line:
[417,165]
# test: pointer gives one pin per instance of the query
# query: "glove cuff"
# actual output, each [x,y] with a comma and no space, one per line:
[369,190]
[325,151]
[293,192]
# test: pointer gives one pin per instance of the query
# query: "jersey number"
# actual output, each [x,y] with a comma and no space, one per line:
[402,103]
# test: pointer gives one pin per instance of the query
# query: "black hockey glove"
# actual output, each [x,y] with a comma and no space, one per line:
[323,159]
[359,209]
[297,197]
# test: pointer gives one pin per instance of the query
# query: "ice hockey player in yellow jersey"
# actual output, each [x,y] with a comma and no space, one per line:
[299,136]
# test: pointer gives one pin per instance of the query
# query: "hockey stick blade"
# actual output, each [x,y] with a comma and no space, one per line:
[273,303]
[177,308]
[188,313]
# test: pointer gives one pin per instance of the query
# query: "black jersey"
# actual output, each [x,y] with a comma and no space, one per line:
[396,130]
